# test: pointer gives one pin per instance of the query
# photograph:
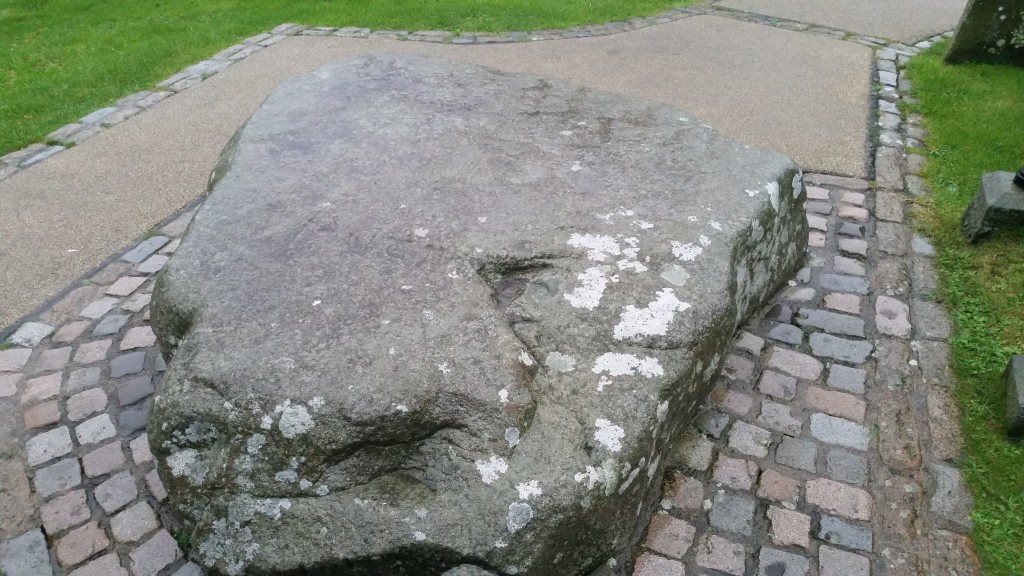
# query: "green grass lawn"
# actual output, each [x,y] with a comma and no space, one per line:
[61,59]
[975,115]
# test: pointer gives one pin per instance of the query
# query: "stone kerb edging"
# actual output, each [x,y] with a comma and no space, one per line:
[95,122]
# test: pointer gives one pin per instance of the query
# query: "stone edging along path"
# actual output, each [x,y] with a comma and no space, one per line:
[128,106]
[828,446]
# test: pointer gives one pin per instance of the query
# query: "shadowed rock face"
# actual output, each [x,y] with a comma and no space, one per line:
[435,315]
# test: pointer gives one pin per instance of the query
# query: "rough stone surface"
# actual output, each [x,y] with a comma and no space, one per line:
[837,531]
[25,555]
[30,334]
[781,563]
[483,210]
[57,477]
[721,554]
[828,346]
[669,536]
[154,555]
[839,431]
[990,32]
[733,512]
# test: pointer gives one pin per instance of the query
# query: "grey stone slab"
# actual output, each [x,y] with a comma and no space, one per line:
[153,264]
[58,477]
[846,467]
[951,500]
[888,171]
[798,454]
[841,283]
[830,322]
[846,265]
[713,423]
[98,116]
[1013,376]
[778,385]
[30,334]
[111,324]
[26,555]
[921,246]
[837,531]
[99,308]
[818,207]
[82,379]
[133,419]
[252,326]
[48,445]
[116,492]
[850,229]
[733,512]
[125,364]
[772,562]
[999,204]
[840,432]
[828,346]
[892,238]
[786,333]
[930,320]
[135,389]
[145,249]
[990,32]
[846,378]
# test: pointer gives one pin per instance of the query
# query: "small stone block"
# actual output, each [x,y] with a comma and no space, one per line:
[134,523]
[652,565]
[749,440]
[145,249]
[94,430]
[846,378]
[153,264]
[156,486]
[789,528]
[687,493]
[48,445]
[697,452]
[57,477]
[140,449]
[53,359]
[854,213]
[836,562]
[836,531]
[669,536]
[85,403]
[737,368]
[794,363]
[108,565]
[786,333]
[136,302]
[30,334]
[854,198]
[735,473]
[829,346]
[999,203]
[125,285]
[816,193]
[733,512]
[853,246]
[795,453]
[713,423]
[99,308]
[779,417]
[736,402]
[103,460]
[69,332]
[126,364]
[840,283]
[839,498]
[81,543]
[135,389]
[717,553]
[111,324]
[849,303]
[133,419]
[64,512]
[92,351]
[154,555]
[42,415]
[778,385]
[82,379]
[836,403]
[839,431]
[41,388]
[9,385]
[779,563]
[778,487]
[116,492]
[846,467]
[25,555]
[14,359]
[750,343]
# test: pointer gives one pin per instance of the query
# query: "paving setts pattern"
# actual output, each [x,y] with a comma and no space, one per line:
[828,446]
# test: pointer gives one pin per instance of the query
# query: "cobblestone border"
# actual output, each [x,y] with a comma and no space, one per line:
[95,122]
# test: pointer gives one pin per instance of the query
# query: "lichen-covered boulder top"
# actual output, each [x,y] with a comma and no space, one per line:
[433,314]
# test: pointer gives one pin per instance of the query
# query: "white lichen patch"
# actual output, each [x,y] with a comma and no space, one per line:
[609,435]
[773,194]
[633,265]
[566,132]
[605,474]
[592,285]
[401,407]
[560,362]
[525,358]
[576,167]
[255,443]
[322,490]
[653,320]
[512,436]
[503,395]
[499,543]
[186,463]
[491,468]
[643,224]
[529,489]
[598,247]
[419,536]
[295,420]
[305,484]
[753,193]
[286,476]
[662,411]
[618,364]
[444,368]
[519,515]
[316,403]
[798,184]
[715,225]
[421,232]
[482,219]
[704,240]
[686,252]
[675,274]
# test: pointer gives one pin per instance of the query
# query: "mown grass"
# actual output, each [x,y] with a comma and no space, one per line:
[975,118]
[61,59]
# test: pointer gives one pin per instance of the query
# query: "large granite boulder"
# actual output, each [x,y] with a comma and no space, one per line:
[990,32]
[434,315]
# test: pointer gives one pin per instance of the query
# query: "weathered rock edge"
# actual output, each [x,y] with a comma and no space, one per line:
[433,315]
